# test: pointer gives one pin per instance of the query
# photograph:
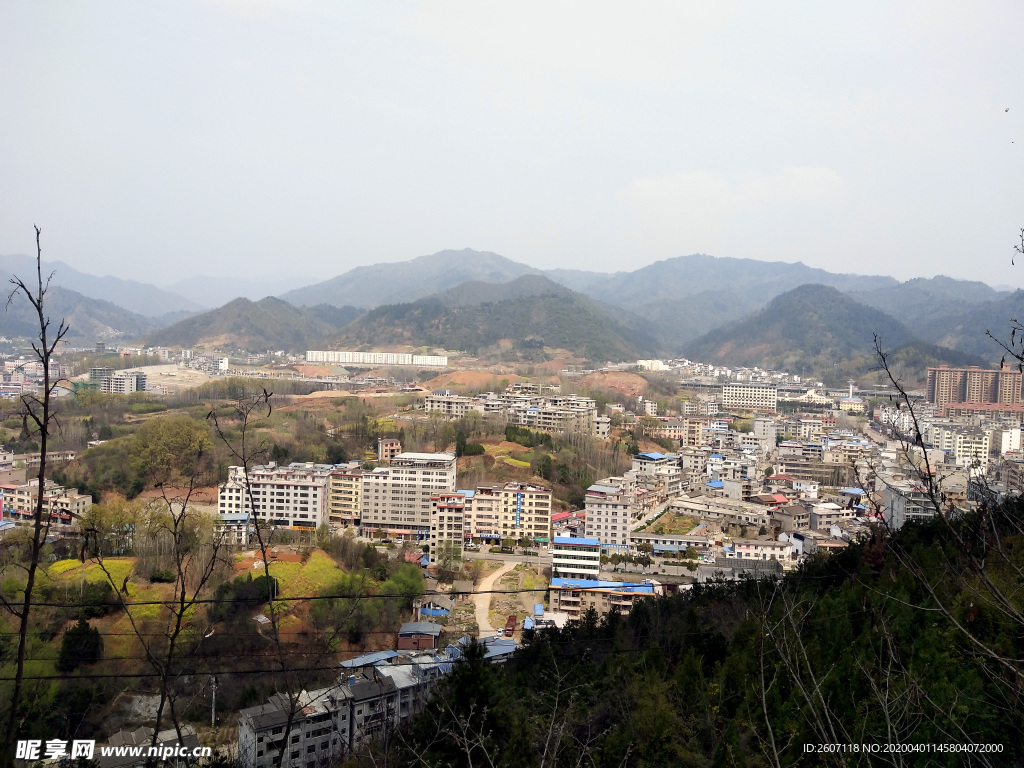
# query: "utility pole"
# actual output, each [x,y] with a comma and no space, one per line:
[213,704]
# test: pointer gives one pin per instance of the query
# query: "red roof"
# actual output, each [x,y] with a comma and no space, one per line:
[559,516]
[781,498]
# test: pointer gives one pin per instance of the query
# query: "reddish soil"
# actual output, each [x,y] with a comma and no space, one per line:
[277,555]
[313,370]
[469,380]
[628,384]
[199,495]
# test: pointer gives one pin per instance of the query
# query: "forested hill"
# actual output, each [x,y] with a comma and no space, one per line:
[88,320]
[811,328]
[561,320]
[256,326]
[890,641]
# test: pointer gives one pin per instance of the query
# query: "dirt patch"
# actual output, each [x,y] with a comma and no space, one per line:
[204,496]
[469,380]
[246,561]
[628,384]
[312,371]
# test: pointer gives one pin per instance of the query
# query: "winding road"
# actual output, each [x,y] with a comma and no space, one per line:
[482,600]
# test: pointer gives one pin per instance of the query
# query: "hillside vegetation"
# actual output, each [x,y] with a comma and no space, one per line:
[256,326]
[810,329]
[849,650]
[564,321]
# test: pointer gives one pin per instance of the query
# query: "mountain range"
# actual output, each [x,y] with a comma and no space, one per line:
[718,309]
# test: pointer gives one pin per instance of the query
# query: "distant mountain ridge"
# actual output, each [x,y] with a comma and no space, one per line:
[812,328]
[88,320]
[141,298]
[527,312]
[268,324]
[408,281]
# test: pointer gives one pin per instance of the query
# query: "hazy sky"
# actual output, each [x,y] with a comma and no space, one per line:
[159,140]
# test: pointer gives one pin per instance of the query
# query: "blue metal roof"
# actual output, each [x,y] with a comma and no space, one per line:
[369,659]
[621,586]
[652,456]
[716,456]
[528,622]
[715,484]
[577,541]
[853,491]
[538,609]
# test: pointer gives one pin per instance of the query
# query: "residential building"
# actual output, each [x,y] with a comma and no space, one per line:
[973,385]
[517,405]
[482,515]
[292,497]
[387,449]
[344,357]
[575,558]
[64,506]
[576,596]
[750,397]
[447,536]
[735,569]
[397,499]
[609,507]
[526,512]
[331,722]
[124,382]
[907,502]
[345,497]
[761,549]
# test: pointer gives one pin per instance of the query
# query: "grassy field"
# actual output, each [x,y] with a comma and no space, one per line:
[306,579]
[119,568]
[671,524]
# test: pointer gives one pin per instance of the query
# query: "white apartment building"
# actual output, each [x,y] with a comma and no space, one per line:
[292,497]
[756,549]
[345,357]
[447,513]
[396,498]
[526,512]
[124,382]
[750,397]
[575,558]
[906,503]
[549,413]
[609,507]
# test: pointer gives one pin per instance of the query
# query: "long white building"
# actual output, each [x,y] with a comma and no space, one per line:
[292,497]
[343,357]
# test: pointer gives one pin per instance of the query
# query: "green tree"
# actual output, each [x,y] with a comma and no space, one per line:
[81,644]
[545,466]
[336,454]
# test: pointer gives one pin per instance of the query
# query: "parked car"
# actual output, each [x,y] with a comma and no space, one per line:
[510,626]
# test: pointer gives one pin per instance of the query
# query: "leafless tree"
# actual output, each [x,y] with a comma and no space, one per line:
[246,450]
[39,411]
[194,550]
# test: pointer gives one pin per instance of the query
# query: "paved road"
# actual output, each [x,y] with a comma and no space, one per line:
[483,601]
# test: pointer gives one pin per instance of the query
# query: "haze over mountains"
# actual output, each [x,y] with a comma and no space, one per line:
[718,309]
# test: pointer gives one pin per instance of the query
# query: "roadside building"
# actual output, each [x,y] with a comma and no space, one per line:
[575,558]
[575,596]
[397,499]
[526,512]
[293,497]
